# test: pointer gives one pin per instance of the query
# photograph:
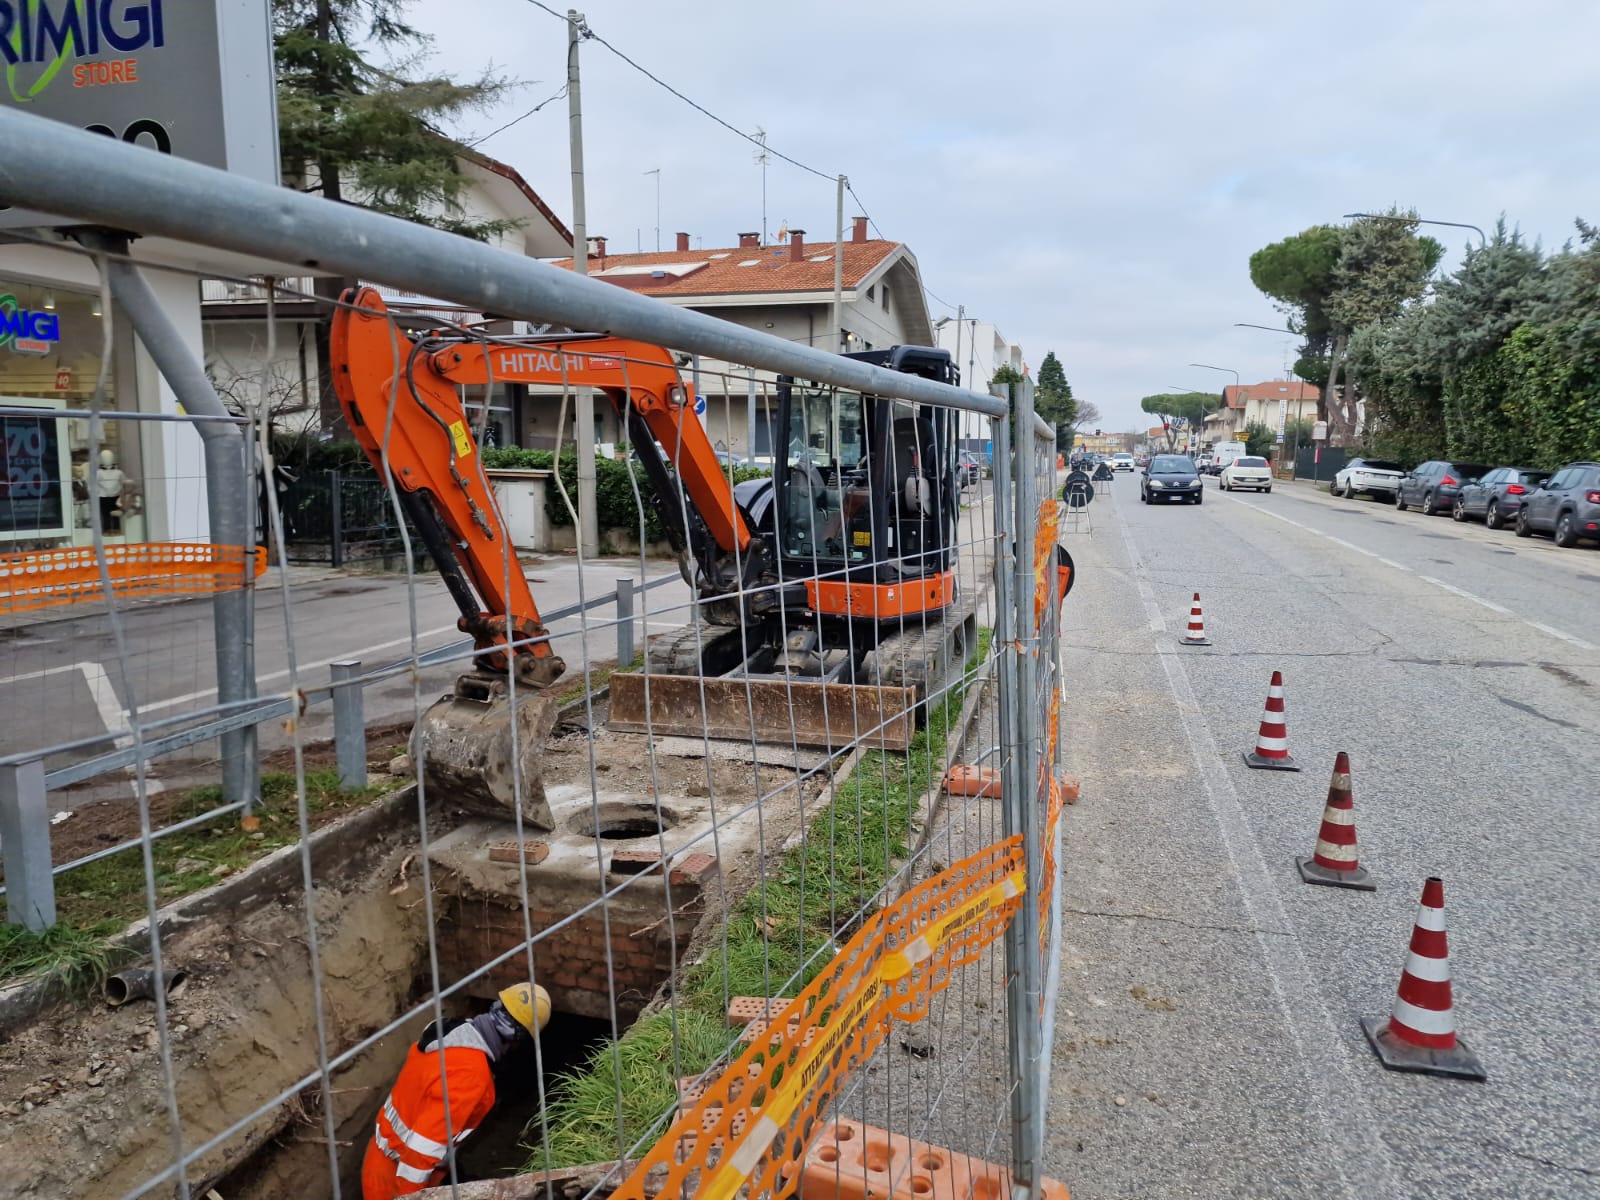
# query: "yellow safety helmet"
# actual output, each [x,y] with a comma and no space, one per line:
[528,1005]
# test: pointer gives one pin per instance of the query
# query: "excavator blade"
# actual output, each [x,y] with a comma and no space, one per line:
[467,747]
[830,715]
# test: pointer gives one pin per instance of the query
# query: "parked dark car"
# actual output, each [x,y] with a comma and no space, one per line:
[1433,486]
[1498,496]
[1171,477]
[1566,505]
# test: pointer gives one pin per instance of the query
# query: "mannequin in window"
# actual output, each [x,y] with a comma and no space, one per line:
[111,480]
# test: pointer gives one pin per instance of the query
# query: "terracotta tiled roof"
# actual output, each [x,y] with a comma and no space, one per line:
[719,271]
[1238,395]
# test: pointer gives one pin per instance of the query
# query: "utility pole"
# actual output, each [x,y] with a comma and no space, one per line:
[843,344]
[588,523]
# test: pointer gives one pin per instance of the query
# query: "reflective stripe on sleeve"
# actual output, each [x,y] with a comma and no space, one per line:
[425,1146]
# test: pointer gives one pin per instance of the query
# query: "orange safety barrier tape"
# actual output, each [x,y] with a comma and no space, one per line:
[38,579]
[749,1130]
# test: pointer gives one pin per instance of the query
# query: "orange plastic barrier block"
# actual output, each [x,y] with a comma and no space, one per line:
[46,578]
[851,1161]
[962,780]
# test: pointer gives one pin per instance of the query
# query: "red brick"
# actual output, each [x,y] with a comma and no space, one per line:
[744,1009]
[530,852]
[693,870]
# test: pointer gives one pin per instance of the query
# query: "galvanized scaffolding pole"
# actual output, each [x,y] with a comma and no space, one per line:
[1019,739]
[93,179]
[228,504]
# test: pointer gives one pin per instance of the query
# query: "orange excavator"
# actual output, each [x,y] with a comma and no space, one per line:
[827,598]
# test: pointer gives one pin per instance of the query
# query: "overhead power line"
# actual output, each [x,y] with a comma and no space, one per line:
[591,35]
[517,120]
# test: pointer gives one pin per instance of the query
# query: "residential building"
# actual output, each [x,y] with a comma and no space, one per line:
[979,350]
[784,289]
[1106,443]
[1264,403]
[234,315]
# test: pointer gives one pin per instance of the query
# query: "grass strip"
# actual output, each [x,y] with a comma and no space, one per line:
[99,899]
[779,931]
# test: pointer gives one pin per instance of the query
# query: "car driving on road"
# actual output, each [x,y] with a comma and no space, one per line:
[1377,477]
[1247,471]
[1434,486]
[1498,496]
[1170,477]
[1567,505]
[1122,462]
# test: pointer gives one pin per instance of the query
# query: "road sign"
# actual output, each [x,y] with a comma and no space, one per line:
[699,405]
[1078,491]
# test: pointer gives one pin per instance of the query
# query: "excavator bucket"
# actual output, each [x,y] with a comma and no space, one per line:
[467,747]
[829,715]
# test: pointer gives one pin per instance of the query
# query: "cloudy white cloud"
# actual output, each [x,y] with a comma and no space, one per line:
[1090,177]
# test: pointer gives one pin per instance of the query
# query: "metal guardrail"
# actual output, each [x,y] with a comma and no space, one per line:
[24,784]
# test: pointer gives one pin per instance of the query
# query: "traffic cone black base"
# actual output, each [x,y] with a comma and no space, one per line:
[1252,759]
[1458,1062]
[1313,872]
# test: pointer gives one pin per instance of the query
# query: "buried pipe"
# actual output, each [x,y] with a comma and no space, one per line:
[139,983]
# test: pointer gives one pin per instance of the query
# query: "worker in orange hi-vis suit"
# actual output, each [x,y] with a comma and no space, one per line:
[413,1141]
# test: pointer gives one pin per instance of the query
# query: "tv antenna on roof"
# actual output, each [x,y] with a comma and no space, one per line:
[762,159]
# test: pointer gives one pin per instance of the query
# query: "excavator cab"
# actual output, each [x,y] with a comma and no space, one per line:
[866,490]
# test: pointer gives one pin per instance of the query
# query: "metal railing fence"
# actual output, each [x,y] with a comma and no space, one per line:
[784,952]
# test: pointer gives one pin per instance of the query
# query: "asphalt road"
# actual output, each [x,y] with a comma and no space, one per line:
[1209,1040]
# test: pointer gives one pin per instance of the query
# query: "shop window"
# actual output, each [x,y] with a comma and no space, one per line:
[50,340]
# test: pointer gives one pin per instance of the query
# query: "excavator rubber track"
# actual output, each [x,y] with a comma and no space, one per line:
[678,695]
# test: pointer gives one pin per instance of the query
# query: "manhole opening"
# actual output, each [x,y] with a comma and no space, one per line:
[622,822]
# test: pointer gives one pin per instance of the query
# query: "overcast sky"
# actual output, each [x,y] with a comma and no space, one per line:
[1090,177]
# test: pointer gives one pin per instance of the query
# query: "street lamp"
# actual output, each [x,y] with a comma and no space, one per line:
[1483,241]
[1228,370]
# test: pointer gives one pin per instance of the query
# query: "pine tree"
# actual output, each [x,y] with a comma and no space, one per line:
[353,130]
[1052,399]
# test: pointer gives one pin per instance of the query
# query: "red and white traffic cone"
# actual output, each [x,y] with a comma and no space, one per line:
[1195,635]
[1272,742]
[1334,861]
[1420,1034]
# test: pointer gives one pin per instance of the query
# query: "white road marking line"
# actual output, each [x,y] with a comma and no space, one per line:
[1557,633]
[104,695]
[1466,595]
[302,668]
[1359,1156]
[1572,639]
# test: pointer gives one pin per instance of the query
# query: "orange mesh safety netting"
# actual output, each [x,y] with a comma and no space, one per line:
[47,578]
[1045,536]
[750,1128]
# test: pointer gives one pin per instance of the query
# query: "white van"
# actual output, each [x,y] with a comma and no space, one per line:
[1224,453]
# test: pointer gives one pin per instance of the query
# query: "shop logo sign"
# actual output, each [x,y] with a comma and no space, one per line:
[37,37]
[26,332]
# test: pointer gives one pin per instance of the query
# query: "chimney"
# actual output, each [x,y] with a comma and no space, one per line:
[747,240]
[597,247]
[683,243]
[858,230]
[797,245]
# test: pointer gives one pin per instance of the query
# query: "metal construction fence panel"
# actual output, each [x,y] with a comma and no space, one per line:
[771,825]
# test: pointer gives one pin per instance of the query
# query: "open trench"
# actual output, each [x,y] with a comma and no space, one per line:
[88,1106]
